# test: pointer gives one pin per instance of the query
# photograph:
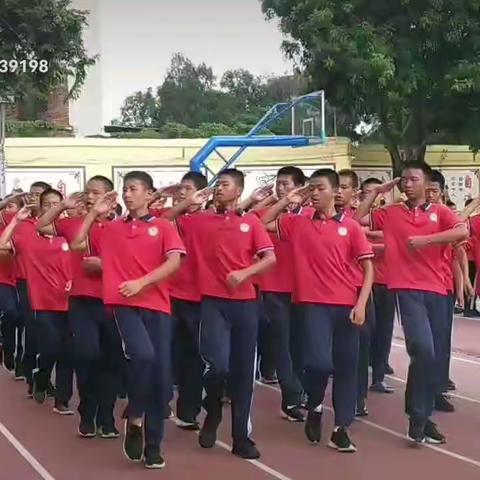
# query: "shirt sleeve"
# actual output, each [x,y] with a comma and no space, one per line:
[285,224]
[474,226]
[171,241]
[360,247]
[64,227]
[448,219]
[377,218]
[261,239]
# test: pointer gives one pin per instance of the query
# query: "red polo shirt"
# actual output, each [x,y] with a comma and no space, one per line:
[48,271]
[7,273]
[408,269]
[85,284]
[27,229]
[131,248]
[380,268]
[184,285]
[280,278]
[474,245]
[223,243]
[323,251]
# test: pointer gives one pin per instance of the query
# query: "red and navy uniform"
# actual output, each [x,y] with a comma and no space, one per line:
[324,250]
[130,249]
[417,279]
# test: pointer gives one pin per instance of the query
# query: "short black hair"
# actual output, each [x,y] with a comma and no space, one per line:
[370,181]
[198,179]
[141,176]
[347,172]
[329,174]
[236,175]
[296,173]
[418,165]
[451,204]
[436,176]
[50,191]
[40,184]
[108,184]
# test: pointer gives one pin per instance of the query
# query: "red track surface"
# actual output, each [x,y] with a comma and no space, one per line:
[52,451]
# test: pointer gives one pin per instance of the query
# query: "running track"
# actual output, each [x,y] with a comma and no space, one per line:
[37,444]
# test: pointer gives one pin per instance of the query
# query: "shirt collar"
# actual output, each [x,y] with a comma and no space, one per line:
[338,217]
[238,211]
[424,207]
[146,218]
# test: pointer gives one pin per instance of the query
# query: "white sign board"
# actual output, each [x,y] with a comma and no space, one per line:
[461,185]
[259,176]
[66,180]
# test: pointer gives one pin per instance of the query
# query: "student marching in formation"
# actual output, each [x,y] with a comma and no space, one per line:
[173,294]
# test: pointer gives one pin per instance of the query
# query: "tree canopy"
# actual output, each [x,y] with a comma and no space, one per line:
[410,66]
[193,102]
[40,47]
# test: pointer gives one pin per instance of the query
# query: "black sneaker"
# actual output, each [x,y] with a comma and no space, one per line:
[361,410]
[133,443]
[87,429]
[191,426]
[208,432]
[341,442]
[245,449]
[443,405]
[416,431]
[432,435]
[39,395]
[293,414]
[62,409]
[313,426]
[19,373]
[381,387]
[50,390]
[8,362]
[108,432]
[389,370]
[451,387]
[154,461]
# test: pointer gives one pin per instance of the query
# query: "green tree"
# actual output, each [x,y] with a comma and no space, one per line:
[140,109]
[41,30]
[410,65]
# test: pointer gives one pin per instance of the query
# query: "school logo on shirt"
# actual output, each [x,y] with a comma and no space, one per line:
[65,247]
[342,231]
[244,227]
[434,217]
[153,231]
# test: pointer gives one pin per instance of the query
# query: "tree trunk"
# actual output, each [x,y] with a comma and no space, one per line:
[408,153]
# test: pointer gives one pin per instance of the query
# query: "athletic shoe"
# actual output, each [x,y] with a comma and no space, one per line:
[133,443]
[154,461]
[50,390]
[87,430]
[313,426]
[293,414]
[245,449]
[8,362]
[361,410]
[39,395]
[389,370]
[62,409]
[191,426]
[18,374]
[273,380]
[208,432]
[432,435]
[381,387]
[416,431]
[443,405]
[451,387]
[108,432]
[341,442]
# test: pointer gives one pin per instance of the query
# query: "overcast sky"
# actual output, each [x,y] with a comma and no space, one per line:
[138,38]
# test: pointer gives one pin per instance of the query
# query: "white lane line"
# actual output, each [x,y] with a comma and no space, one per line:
[261,466]
[450,394]
[394,433]
[453,357]
[25,453]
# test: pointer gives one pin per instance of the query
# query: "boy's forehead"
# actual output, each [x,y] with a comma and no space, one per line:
[132,181]
[345,179]
[413,172]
